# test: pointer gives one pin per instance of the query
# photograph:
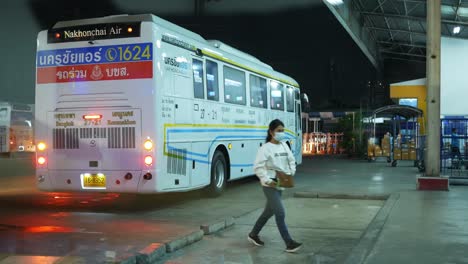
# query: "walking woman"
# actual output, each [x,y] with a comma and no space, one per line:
[274,156]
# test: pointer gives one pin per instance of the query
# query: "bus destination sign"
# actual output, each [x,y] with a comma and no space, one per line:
[94,32]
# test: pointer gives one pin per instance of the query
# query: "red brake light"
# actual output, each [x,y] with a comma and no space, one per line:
[92,117]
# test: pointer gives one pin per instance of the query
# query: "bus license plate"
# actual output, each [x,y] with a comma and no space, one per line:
[94,180]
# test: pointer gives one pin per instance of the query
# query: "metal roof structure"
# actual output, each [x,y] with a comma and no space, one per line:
[383,29]
[396,29]
[398,110]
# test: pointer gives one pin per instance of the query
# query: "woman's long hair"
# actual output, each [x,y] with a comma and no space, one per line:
[273,125]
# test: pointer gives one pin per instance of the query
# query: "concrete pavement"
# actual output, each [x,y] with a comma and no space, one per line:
[425,227]
[329,228]
[115,227]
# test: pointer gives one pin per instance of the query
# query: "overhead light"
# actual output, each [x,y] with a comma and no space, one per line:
[456,30]
[335,2]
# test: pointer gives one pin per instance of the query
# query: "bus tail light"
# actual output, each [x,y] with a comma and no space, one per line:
[41,146]
[148,145]
[148,160]
[41,160]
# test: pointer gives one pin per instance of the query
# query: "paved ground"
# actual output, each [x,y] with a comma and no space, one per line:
[426,228]
[93,228]
[329,229]
[324,174]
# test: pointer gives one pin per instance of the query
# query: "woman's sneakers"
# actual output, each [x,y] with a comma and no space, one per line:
[293,246]
[255,240]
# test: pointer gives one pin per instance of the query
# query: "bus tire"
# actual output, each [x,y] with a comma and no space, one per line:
[218,175]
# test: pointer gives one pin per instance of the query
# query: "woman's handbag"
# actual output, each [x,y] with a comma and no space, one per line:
[284,180]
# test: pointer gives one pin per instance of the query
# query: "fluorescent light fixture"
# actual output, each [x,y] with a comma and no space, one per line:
[335,2]
[456,30]
[229,82]
[275,93]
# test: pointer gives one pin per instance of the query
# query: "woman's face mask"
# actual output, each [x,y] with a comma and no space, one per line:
[280,136]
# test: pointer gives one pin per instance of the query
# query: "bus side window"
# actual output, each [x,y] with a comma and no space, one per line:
[198,89]
[277,95]
[212,80]
[234,86]
[290,99]
[258,91]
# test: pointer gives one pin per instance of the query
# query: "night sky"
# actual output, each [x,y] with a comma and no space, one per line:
[307,44]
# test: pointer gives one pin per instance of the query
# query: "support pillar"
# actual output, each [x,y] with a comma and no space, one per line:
[432,179]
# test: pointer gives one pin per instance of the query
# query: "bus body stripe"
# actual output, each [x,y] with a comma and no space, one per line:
[189,128]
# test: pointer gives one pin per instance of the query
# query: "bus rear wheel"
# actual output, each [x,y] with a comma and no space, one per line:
[218,174]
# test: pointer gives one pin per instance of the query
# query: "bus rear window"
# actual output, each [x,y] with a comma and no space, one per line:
[21,118]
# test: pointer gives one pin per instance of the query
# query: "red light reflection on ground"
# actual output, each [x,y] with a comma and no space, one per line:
[68,199]
[49,229]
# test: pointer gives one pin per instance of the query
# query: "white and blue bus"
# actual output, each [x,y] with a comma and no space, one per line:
[136,104]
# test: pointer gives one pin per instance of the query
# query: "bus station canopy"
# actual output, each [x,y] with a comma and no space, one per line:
[398,110]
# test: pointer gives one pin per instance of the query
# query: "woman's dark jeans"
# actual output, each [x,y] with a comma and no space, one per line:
[274,206]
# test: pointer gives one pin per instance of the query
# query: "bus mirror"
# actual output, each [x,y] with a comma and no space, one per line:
[305,103]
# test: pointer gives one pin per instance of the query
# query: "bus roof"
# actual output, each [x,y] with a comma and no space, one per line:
[185,32]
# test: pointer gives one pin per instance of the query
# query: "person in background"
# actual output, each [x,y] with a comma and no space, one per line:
[274,156]
[398,141]
[455,144]
[391,138]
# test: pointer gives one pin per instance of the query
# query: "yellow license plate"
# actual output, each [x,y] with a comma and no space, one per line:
[94,180]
